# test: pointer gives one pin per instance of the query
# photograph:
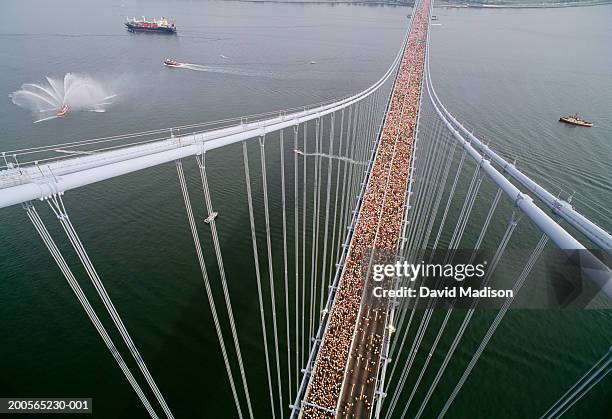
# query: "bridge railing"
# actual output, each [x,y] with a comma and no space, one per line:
[50,153]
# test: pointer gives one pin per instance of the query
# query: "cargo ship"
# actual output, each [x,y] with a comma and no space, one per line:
[575,120]
[162,25]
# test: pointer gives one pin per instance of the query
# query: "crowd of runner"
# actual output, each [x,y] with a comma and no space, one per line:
[378,226]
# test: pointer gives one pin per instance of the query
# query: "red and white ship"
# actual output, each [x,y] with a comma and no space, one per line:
[63,110]
[575,120]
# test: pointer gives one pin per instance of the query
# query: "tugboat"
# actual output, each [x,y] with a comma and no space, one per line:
[575,120]
[162,25]
[171,63]
[63,110]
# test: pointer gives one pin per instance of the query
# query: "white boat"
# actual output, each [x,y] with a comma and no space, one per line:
[171,63]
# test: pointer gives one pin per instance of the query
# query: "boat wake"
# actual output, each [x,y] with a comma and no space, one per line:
[54,98]
[232,70]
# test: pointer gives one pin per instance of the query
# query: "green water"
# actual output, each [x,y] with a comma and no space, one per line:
[509,73]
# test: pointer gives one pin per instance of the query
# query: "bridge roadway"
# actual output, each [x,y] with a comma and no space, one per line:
[343,380]
[360,380]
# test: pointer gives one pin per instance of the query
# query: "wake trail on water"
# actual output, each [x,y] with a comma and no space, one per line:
[79,91]
[236,71]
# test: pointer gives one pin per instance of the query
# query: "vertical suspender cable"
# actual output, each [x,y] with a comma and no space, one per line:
[450,199]
[432,175]
[345,190]
[458,336]
[335,246]
[355,155]
[264,180]
[424,180]
[296,253]
[465,212]
[426,317]
[431,209]
[317,229]
[586,382]
[450,310]
[247,178]
[78,291]
[57,205]
[518,285]
[327,199]
[440,193]
[305,173]
[468,204]
[282,164]
[211,301]
[313,245]
[496,258]
[228,302]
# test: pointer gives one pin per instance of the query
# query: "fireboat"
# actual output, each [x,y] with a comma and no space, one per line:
[63,110]
[575,120]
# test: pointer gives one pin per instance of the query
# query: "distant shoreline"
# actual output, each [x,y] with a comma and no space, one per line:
[443,4]
[364,2]
[447,5]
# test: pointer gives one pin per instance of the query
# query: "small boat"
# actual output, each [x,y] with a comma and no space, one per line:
[63,110]
[171,63]
[575,120]
[211,217]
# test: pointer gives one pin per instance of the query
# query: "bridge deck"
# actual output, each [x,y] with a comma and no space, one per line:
[339,381]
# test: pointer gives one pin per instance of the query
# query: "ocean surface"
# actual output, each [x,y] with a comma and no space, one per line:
[508,74]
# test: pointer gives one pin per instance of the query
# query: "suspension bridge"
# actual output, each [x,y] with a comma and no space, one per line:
[387,169]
